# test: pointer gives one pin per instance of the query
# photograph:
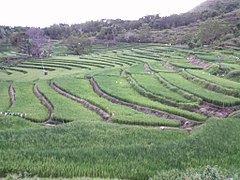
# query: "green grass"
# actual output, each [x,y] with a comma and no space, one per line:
[120,114]
[5,99]
[11,123]
[97,59]
[120,58]
[38,67]
[157,67]
[87,149]
[207,95]
[84,60]
[131,145]
[136,69]
[27,103]
[151,84]
[217,80]
[65,109]
[210,85]
[185,65]
[113,151]
[57,63]
[121,89]
[47,65]
[210,58]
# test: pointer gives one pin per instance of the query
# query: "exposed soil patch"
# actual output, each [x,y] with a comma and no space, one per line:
[212,110]
[185,123]
[123,73]
[193,60]
[85,103]
[47,104]
[12,95]
[170,67]
[148,70]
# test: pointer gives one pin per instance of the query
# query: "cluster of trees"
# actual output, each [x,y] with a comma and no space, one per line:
[78,38]
[31,41]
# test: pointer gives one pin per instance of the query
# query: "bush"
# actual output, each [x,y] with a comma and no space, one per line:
[235,75]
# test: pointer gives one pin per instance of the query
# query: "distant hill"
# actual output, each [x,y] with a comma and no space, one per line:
[220,19]
[220,6]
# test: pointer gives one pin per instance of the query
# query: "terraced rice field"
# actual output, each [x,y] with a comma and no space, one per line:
[126,113]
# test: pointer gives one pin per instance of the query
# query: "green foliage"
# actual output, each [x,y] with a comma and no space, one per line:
[119,114]
[5,99]
[78,45]
[98,149]
[212,30]
[11,123]
[112,151]
[234,75]
[28,104]
[215,79]
[66,110]
[207,95]
[131,145]
[119,87]
[219,71]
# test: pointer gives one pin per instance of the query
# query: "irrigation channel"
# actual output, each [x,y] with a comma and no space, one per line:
[85,103]
[12,95]
[185,123]
[47,104]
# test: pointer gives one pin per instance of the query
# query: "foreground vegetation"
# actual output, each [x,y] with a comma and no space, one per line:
[79,149]
[134,141]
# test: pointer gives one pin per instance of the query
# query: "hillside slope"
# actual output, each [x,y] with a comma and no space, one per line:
[217,5]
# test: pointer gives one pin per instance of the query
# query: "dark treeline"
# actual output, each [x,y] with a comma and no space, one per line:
[198,24]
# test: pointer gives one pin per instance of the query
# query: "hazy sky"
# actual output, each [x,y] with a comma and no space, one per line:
[43,13]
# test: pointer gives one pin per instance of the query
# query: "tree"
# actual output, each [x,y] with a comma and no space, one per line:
[78,45]
[58,31]
[212,30]
[38,43]
[20,42]
[145,34]
[33,42]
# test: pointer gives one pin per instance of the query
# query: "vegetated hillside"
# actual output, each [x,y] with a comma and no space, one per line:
[217,5]
[228,36]
[215,23]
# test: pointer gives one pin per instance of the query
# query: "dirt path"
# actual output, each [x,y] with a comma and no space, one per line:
[12,95]
[148,70]
[193,60]
[123,73]
[185,123]
[170,67]
[212,110]
[47,104]
[85,103]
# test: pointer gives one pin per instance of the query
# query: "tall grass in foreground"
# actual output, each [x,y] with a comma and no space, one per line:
[93,149]
[11,123]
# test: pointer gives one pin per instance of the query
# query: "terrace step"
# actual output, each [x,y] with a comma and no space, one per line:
[185,123]
[47,104]
[85,103]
